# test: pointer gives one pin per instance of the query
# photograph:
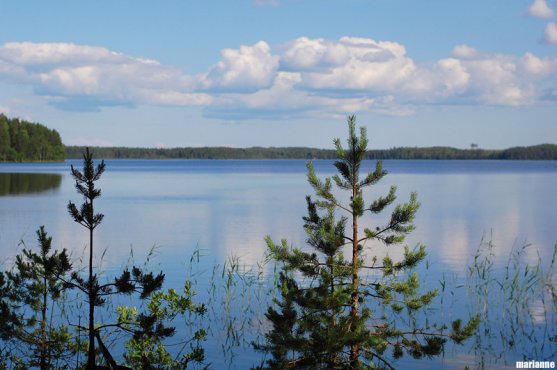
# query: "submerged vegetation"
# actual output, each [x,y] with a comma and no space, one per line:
[331,305]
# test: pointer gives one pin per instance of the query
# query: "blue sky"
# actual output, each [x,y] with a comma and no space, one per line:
[282,72]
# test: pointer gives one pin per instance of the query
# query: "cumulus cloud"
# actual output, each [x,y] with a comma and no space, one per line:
[97,75]
[248,68]
[319,76]
[538,67]
[495,81]
[36,54]
[279,100]
[464,52]
[304,76]
[550,33]
[540,9]
[308,54]
[283,99]
[349,63]
[453,74]
[376,69]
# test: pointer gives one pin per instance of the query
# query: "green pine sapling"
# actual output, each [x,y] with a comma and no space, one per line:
[127,283]
[329,313]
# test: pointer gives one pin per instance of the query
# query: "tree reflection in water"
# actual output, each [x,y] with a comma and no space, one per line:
[25,183]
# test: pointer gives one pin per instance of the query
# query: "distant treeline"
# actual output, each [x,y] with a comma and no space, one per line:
[537,152]
[22,141]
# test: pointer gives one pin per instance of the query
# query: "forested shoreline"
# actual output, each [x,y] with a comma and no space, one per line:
[23,141]
[536,152]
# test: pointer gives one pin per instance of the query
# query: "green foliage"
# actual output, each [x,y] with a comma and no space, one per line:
[9,319]
[146,348]
[25,141]
[35,287]
[327,314]
[542,151]
[536,152]
[134,281]
[204,153]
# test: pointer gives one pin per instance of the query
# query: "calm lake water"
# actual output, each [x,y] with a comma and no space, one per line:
[224,209]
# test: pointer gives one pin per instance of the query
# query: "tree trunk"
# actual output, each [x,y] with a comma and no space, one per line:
[354,311]
[43,362]
[91,351]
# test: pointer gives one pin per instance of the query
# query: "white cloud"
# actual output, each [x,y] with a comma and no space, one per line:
[35,54]
[4,110]
[349,64]
[281,94]
[307,54]
[83,80]
[284,99]
[365,67]
[324,77]
[503,79]
[538,67]
[249,68]
[303,77]
[96,75]
[498,80]
[540,9]
[464,52]
[453,75]
[550,34]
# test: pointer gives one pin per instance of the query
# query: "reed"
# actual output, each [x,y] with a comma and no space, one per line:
[517,303]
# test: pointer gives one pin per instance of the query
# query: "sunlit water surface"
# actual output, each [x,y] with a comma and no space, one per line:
[224,209]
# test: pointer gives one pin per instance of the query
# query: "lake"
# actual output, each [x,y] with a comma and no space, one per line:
[224,209]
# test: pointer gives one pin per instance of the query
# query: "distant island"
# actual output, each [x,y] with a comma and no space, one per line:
[536,152]
[23,141]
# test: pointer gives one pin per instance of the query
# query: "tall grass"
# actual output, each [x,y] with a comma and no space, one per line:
[237,296]
[517,304]
[516,299]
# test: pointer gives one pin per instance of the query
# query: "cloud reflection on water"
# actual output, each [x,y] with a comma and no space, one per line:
[227,213]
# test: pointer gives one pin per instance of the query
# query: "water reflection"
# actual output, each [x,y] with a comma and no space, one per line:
[28,183]
[222,209]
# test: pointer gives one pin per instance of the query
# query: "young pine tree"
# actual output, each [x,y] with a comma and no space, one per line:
[86,217]
[330,313]
[128,282]
[37,285]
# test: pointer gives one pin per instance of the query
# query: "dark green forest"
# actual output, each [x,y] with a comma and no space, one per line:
[22,141]
[537,152]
